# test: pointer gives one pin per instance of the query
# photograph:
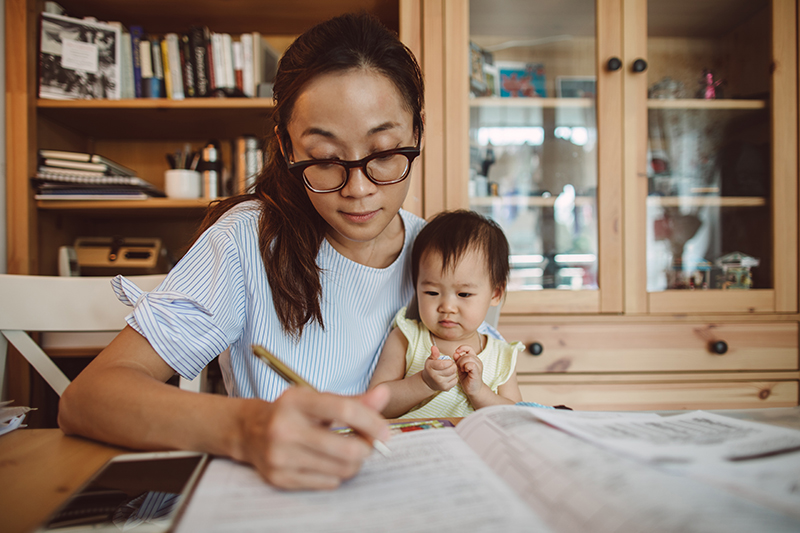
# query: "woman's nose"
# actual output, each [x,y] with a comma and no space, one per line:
[358,184]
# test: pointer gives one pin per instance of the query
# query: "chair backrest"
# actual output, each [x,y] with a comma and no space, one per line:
[58,303]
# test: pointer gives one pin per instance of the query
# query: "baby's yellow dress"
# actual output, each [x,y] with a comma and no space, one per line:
[499,359]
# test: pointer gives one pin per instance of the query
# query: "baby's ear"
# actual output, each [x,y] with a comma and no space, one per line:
[497,295]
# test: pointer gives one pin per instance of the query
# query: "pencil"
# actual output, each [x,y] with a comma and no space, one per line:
[291,377]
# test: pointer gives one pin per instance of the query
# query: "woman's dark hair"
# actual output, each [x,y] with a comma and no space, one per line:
[453,233]
[290,229]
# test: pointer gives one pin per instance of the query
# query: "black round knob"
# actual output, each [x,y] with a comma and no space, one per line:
[535,348]
[614,64]
[718,347]
[640,65]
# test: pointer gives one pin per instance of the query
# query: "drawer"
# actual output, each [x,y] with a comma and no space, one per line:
[609,347]
[654,395]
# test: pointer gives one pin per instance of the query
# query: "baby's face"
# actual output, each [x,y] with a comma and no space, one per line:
[452,304]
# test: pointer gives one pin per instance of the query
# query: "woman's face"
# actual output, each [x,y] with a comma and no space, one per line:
[350,115]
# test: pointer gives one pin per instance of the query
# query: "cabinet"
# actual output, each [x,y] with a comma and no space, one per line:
[646,176]
[136,133]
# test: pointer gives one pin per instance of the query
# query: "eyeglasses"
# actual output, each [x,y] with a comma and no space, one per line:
[330,175]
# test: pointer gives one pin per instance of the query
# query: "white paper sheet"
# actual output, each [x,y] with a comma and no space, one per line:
[432,482]
[688,437]
[576,486]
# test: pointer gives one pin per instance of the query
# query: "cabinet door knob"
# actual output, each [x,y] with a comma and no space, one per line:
[614,64]
[535,348]
[718,347]
[640,65]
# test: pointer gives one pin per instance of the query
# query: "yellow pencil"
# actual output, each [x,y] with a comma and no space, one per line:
[291,377]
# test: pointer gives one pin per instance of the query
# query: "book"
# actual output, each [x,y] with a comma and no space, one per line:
[126,87]
[238,64]
[227,60]
[149,84]
[79,59]
[163,47]
[248,83]
[175,69]
[187,66]
[137,34]
[218,61]
[500,469]
[158,69]
[90,194]
[106,164]
[197,42]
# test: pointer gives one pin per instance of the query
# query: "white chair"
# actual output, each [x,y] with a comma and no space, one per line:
[61,304]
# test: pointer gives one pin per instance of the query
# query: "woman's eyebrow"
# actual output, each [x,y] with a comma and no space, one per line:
[388,125]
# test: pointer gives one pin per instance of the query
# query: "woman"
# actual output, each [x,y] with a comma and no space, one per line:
[313,266]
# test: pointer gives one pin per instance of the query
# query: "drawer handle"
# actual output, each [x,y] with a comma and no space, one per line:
[718,347]
[640,65]
[535,348]
[614,64]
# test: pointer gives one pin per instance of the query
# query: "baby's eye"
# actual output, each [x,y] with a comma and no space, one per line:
[431,293]
[464,294]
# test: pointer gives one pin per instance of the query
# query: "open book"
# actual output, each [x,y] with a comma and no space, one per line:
[500,469]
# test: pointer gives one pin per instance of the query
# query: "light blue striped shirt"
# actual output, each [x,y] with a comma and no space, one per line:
[218,296]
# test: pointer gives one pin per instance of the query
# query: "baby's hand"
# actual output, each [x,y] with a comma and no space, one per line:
[439,374]
[470,369]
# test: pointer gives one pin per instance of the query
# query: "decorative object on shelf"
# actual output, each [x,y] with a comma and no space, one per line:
[736,272]
[667,89]
[709,87]
[79,59]
[576,87]
[517,79]
[479,85]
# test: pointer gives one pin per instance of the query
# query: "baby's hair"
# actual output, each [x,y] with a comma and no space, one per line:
[454,233]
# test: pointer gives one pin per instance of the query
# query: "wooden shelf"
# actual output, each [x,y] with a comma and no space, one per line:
[495,101]
[165,204]
[699,103]
[162,119]
[711,201]
[530,201]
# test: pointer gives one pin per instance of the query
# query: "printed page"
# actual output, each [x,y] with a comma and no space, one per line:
[687,437]
[432,482]
[575,486]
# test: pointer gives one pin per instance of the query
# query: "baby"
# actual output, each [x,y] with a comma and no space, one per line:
[441,365]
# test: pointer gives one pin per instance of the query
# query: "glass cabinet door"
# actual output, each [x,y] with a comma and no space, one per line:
[715,155]
[533,146]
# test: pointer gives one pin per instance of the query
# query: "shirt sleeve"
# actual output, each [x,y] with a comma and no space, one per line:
[198,310]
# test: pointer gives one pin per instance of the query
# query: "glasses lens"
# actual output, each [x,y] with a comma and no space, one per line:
[388,168]
[324,176]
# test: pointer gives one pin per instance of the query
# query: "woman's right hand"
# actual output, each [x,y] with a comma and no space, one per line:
[290,442]
[439,374]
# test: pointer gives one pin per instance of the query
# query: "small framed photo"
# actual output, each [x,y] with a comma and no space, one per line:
[576,86]
[483,73]
[520,80]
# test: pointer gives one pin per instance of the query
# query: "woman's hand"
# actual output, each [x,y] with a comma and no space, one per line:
[439,374]
[470,370]
[290,443]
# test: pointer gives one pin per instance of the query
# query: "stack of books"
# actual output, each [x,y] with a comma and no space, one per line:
[81,176]
[132,63]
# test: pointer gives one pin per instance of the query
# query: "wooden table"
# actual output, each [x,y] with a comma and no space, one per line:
[39,468]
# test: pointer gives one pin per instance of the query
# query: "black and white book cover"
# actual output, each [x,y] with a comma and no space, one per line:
[79,59]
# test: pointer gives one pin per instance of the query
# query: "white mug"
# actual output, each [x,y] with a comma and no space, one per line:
[182,183]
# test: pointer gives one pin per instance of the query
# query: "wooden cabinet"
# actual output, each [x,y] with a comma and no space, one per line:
[646,176]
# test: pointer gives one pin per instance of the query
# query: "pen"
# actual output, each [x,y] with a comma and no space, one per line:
[291,377]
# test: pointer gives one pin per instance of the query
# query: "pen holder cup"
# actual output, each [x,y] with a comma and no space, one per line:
[182,183]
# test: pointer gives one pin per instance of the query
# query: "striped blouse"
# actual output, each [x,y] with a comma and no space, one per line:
[218,296]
